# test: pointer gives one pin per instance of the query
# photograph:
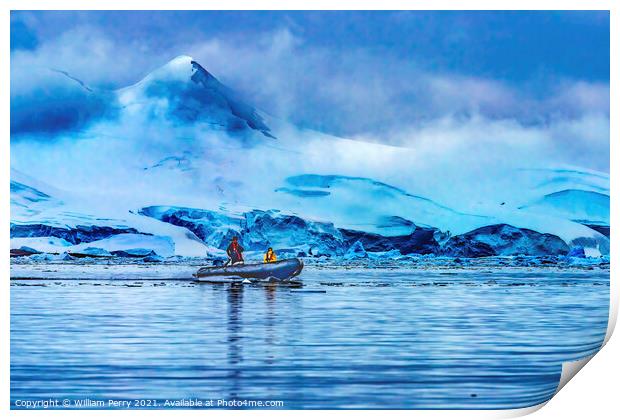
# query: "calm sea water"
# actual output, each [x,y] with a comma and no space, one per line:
[347,339]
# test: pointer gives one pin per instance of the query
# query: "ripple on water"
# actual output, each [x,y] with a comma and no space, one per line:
[347,339]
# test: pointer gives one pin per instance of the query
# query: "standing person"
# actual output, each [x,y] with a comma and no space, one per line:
[270,256]
[235,251]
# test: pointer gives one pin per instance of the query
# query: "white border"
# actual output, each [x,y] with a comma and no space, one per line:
[597,382]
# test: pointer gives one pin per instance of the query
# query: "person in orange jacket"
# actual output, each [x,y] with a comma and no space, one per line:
[270,256]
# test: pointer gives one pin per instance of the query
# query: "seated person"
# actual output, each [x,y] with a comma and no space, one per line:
[270,256]
[235,252]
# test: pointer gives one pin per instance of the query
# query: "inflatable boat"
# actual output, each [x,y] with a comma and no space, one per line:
[277,271]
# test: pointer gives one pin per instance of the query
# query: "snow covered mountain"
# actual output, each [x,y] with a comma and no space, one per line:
[182,164]
[183,90]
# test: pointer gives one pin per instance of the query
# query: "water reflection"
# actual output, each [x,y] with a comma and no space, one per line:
[270,318]
[235,331]
[375,339]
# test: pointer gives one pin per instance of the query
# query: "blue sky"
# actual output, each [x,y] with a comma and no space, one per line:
[373,75]
[511,45]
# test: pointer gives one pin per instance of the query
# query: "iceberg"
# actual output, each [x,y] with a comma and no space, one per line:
[356,251]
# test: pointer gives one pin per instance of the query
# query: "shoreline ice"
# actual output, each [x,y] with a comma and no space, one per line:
[179,268]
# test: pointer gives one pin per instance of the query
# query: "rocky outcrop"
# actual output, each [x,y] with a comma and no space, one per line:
[134,253]
[24,251]
[460,246]
[420,241]
[504,239]
[603,230]
[74,235]
[153,259]
[91,252]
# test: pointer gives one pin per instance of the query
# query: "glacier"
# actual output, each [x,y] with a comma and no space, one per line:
[183,163]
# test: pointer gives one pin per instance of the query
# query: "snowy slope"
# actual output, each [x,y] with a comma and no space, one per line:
[28,197]
[587,207]
[372,206]
[48,210]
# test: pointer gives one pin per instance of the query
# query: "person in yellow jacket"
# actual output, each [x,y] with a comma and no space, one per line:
[270,256]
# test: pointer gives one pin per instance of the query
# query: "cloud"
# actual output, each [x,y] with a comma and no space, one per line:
[355,92]
[352,92]
[55,103]
[61,85]
[86,53]
[478,141]
[576,98]
[22,37]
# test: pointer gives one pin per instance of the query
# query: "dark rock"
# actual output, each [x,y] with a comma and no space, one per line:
[420,241]
[210,95]
[549,260]
[459,246]
[604,230]
[504,239]
[23,251]
[28,249]
[92,253]
[303,193]
[153,259]
[74,235]
[134,253]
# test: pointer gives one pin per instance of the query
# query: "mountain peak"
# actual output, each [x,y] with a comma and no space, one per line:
[182,58]
[182,68]
[178,69]
[192,94]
